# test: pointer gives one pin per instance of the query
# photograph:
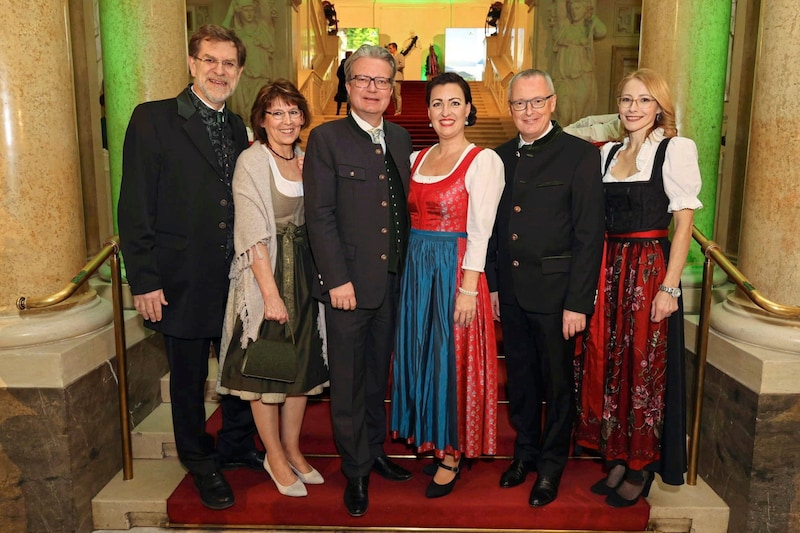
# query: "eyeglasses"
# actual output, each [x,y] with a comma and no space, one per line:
[536,103]
[293,114]
[363,82]
[643,102]
[211,63]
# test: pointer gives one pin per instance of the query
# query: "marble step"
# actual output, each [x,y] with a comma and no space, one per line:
[141,502]
[153,438]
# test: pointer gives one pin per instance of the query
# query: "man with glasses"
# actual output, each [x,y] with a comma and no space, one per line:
[176,231]
[542,269]
[356,175]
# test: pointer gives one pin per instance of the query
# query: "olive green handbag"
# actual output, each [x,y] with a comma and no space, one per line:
[271,359]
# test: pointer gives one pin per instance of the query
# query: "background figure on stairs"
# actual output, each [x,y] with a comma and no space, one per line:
[176,232]
[341,92]
[356,175]
[633,409]
[444,395]
[271,279]
[543,268]
[400,63]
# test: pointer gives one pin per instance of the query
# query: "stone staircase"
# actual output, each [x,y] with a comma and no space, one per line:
[141,502]
[493,128]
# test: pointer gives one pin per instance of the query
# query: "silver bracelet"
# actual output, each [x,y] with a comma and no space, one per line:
[465,292]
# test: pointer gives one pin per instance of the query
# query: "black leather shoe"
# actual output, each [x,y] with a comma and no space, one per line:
[215,493]
[391,471]
[254,460]
[544,491]
[515,474]
[356,495]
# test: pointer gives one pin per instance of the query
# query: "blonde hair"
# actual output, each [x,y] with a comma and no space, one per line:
[657,86]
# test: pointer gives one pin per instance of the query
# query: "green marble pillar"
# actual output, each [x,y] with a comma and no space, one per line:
[144,58]
[687,42]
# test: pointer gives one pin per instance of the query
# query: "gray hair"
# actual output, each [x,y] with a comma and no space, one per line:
[532,73]
[375,52]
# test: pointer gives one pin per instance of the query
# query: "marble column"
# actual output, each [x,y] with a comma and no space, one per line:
[41,213]
[749,451]
[144,58]
[687,42]
[769,249]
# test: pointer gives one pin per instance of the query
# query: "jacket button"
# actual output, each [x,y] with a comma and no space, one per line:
[382,177]
[384,257]
[384,231]
[222,225]
[378,151]
[517,209]
[352,173]
[515,263]
[384,203]
[223,202]
[514,236]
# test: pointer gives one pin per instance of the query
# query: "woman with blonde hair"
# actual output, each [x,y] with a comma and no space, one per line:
[632,386]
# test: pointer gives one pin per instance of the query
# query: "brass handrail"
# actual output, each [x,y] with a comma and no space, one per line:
[713,254]
[110,250]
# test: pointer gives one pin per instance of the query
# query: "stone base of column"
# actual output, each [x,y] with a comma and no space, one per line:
[749,450]
[79,315]
[740,319]
[59,420]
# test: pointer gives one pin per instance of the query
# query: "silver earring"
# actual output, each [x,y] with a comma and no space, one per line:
[466,122]
[430,125]
[658,117]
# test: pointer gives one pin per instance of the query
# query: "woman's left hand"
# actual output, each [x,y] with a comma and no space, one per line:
[466,306]
[662,307]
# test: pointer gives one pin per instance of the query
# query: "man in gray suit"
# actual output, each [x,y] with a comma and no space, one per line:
[356,176]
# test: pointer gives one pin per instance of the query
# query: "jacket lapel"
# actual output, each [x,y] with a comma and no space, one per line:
[196,130]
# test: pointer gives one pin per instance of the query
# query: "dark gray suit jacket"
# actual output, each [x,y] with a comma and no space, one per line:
[347,206]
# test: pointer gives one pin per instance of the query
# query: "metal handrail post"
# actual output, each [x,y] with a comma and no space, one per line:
[701,348]
[122,365]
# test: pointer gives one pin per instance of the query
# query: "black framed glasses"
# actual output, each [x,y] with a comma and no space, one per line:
[536,103]
[362,82]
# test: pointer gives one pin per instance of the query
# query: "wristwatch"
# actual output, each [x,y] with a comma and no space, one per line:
[675,292]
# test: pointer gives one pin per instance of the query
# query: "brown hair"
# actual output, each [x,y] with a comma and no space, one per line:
[217,34]
[280,89]
[657,86]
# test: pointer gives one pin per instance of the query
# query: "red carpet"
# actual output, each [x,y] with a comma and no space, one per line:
[477,501]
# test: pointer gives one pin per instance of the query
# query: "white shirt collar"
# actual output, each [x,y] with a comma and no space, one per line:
[523,143]
[363,124]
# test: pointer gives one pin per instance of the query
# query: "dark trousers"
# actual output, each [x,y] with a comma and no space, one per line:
[360,345]
[540,369]
[188,366]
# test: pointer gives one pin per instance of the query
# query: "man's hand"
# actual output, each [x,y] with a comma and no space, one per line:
[149,304]
[343,297]
[495,299]
[572,323]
